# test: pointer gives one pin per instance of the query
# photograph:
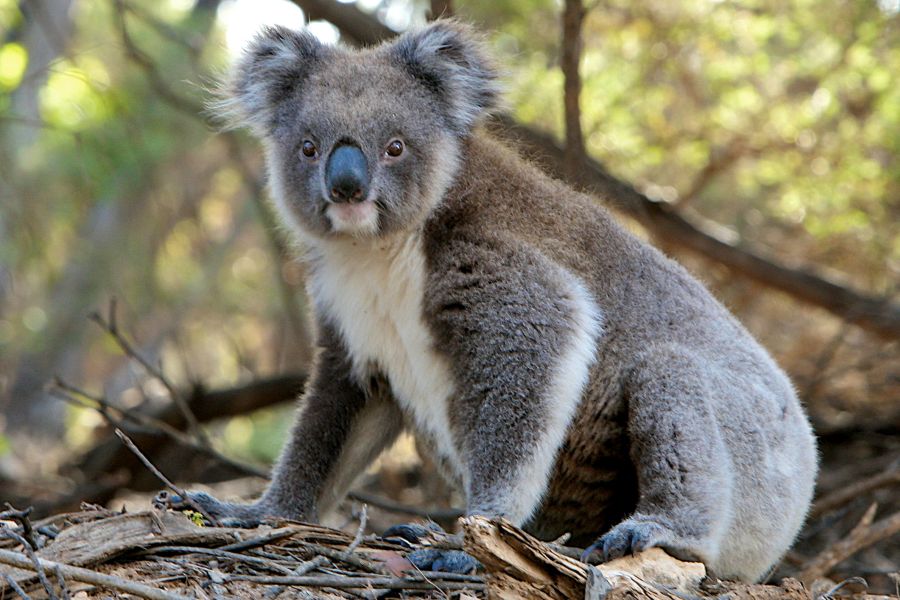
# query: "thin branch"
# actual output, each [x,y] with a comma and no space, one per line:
[360,531]
[157,81]
[571,43]
[863,535]
[875,314]
[110,326]
[22,518]
[165,480]
[339,582]
[148,424]
[87,576]
[841,497]
[35,563]
[15,587]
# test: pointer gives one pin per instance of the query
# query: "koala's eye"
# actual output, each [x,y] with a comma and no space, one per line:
[309,149]
[394,149]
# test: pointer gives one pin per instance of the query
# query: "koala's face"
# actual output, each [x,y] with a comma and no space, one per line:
[361,143]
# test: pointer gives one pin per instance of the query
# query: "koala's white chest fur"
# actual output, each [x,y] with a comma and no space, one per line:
[372,291]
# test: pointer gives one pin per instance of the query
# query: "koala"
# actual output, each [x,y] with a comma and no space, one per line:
[565,374]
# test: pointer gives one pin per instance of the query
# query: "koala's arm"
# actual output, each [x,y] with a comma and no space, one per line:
[338,430]
[521,333]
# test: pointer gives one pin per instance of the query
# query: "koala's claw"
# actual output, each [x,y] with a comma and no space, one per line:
[628,537]
[225,514]
[446,561]
[410,533]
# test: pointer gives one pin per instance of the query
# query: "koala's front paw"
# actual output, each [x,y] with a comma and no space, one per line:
[628,537]
[446,561]
[225,513]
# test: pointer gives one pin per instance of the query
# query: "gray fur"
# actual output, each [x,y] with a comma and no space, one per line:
[577,379]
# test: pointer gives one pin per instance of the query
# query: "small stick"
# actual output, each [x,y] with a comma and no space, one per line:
[251,560]
[131,446]
[845,495]
[62,584]
[15,587]
[360,531]
[338,555]
[110,325]
[21,517]
[303,569]
[336,581]
[262,540]
[863,535]
[74,395]
[35,562]
[87,576]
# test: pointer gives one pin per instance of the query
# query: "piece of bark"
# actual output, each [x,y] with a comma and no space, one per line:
[99,541]
[520,566]
[95,542]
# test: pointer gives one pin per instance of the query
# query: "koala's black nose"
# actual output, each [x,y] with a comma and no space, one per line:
[346,175]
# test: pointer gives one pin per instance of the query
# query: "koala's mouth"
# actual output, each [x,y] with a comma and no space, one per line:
[353,217]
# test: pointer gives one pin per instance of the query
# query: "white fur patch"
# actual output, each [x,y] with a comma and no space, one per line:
[564,394]
[372,291]
[352,218]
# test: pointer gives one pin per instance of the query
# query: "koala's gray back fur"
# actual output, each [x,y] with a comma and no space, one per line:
[756,459]
[569,376]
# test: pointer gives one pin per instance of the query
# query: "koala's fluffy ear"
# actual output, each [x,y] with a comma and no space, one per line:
[273,65]
[450,59]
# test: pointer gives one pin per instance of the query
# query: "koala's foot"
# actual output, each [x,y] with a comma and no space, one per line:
[447,561]
[431,559]
[226,514]
[411,533]
[629,537]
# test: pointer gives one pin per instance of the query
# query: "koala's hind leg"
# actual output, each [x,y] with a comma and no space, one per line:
[683,467]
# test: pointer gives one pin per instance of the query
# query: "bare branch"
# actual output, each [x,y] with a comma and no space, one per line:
[87,576]
[571,43]
[877,315]
[131,446]
[858,489]
[110,325]
[862,536]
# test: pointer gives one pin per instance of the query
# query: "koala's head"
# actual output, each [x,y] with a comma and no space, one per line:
[361,143]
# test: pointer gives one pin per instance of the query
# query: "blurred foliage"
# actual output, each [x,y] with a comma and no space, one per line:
[779,120]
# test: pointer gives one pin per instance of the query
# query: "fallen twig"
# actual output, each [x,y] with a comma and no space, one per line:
[35,562]
[87,576]
[863,535]
[22,518]
[360,531]
[343,582]
[15,587]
